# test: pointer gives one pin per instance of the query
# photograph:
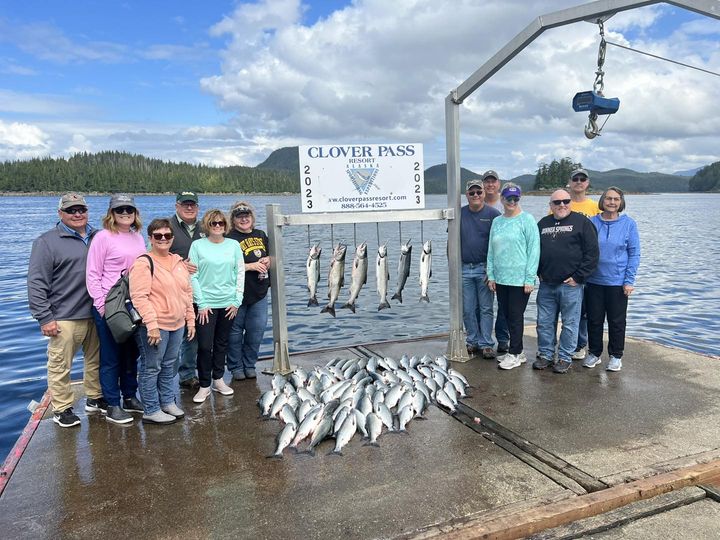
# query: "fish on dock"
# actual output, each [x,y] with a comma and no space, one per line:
[313,273]
[359,275]
[403,269]
[336,278]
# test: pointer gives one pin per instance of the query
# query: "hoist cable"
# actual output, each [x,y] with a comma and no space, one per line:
[663,58]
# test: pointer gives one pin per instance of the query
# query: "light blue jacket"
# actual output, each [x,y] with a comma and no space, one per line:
[514,250]
[619,243]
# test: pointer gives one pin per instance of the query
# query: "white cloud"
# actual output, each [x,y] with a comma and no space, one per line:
[22,141]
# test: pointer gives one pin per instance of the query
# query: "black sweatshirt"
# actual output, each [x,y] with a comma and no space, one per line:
[568,248]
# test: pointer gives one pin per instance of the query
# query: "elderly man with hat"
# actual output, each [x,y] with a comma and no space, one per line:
[491,184]
[62,306]
[475,221]
[186,229]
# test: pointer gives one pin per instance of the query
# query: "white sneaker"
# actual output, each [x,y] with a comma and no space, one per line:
[615,364]
[591,361]
[218,385]
[201,395]
[510,361]
[522,357]
[580,354]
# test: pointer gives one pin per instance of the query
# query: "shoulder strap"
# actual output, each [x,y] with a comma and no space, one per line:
[152,264]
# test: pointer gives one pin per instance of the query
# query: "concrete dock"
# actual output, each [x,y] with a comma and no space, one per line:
[611,455]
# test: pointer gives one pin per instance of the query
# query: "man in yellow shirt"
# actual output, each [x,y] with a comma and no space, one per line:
[578,186]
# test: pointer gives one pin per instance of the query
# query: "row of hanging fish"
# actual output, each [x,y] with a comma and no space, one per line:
[369,396]
[336,274]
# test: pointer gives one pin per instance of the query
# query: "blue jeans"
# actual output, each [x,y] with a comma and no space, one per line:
[477,305]
[186,363]
[157,368]
[553,300]
[118,364]
[246,336]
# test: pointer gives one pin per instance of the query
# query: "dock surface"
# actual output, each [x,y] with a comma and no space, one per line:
[616,455]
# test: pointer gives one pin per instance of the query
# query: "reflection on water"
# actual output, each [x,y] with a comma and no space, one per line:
[676,301]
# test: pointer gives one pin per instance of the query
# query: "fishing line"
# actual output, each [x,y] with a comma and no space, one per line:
[332,236]
[308,235]
[355,233]
[422,232]
[377,227]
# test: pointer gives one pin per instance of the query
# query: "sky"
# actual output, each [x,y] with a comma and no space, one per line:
[227,82]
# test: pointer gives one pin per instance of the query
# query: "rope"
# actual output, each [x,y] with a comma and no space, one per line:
[663,58]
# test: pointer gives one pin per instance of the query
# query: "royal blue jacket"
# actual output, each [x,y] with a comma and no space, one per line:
[619,243]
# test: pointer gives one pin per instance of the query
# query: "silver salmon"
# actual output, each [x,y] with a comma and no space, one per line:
[425,270]
[382,274]
[336,278]
[403,269]
[313,273]
[359,275]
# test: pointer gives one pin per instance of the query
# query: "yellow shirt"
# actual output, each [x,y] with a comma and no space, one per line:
[587,208]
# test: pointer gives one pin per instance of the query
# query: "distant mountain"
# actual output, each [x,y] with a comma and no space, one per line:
[436,178]
[689,172]
[283,159]
[633,181]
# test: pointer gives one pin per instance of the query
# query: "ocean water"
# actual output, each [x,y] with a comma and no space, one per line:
[676,303]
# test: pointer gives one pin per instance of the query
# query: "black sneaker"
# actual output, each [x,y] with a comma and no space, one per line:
[96,405]
[66,418]
[562,366]
[541,362]
[132,404]
[117,415]
[503,349]
[191,383]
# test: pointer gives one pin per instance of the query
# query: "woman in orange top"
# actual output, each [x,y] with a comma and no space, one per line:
[162,296]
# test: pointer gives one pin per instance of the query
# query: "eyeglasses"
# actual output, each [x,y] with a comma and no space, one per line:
[579,178]
[124,210]
[163,236]
[558,202]
[188,204]
[217,223]
[512,199]
[475,193]
[76,210]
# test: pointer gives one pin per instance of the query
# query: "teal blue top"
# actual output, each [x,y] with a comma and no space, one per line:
[514,250]
[220,278]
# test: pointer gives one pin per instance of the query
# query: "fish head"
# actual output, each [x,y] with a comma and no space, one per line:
[340,251]
[315,251]
[361,250]
[406,247]
[427,246]
[382,250]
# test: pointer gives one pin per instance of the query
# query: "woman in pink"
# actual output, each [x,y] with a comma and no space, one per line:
[112,252]
[160,291]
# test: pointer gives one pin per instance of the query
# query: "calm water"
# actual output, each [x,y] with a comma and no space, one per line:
[676,302]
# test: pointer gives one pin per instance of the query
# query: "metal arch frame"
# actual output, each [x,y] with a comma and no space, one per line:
[586,12]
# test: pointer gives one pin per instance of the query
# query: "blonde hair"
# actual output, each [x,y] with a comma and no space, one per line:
[109,223]
[214,214]
[238,204]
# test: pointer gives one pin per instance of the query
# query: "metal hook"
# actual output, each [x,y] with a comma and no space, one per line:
[591,130]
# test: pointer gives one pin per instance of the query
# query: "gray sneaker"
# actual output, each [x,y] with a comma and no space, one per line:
[158,417]
[615,364]
[173,409]
[541,362]
[117,415]
[562,366]
[238,375]
[250,373]
[591,360]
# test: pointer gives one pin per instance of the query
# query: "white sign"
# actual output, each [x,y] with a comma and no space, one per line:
[358,177]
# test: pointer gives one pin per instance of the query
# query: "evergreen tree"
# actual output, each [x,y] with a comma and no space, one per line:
[706,179]
[555,175]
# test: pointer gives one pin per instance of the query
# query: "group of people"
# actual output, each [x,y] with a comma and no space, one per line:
[200,287]
[585,255]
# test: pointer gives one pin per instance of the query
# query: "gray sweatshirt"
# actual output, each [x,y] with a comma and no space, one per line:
[56,277]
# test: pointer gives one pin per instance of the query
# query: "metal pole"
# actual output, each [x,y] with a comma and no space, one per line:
[281,358]
[456,350]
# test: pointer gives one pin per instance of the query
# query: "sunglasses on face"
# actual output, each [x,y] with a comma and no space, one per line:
[162,236]
[217,223]
[76,210]
[475,193]
[124,210]
[579,179]
[558,202]
[512,199]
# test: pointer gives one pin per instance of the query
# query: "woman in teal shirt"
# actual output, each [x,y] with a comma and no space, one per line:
[512,261]
[218,287]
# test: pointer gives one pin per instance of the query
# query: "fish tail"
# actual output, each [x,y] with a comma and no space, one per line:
[383,305]
[349,306]
[370,443]
[397,296]
[425,298]
[312,302]
[335,453]
[274,456]
[328,309]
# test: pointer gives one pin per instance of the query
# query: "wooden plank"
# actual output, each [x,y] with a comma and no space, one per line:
[583,506]
[661,467]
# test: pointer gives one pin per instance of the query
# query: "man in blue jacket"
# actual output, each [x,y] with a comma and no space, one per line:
[568,255]
[61,304]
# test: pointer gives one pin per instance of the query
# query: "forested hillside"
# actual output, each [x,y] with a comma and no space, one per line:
[121,171]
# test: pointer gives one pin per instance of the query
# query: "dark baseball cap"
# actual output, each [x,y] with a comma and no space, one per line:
[490,174]
[187,196]
[71,199]
[473,182]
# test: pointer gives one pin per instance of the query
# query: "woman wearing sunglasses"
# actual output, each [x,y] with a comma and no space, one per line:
[163,297]
[512,261]
[112,252]
[218,287]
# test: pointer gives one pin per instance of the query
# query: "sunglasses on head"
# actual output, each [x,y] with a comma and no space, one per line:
[242,214]
[475,192]
[512,198]
[217,223]
[579,179]
[76,210]
[163,236]
[558,202]
[124,210]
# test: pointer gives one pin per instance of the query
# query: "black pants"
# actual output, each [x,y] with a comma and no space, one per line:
[212,340]
[604,301]
[512,302]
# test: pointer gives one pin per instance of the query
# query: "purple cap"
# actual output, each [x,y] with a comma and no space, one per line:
[510,191]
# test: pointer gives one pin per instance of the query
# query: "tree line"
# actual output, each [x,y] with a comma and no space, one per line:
[707,178]
[121,171]
[556,174]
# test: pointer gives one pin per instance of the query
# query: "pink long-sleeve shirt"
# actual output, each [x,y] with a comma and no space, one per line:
[110,254]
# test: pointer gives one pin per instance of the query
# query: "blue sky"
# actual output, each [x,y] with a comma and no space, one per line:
[222,82]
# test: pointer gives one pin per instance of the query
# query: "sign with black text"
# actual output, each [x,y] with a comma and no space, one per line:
[362,177]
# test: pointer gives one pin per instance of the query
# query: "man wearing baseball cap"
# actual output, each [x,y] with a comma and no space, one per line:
[491,184]
[475,221]
[60,302]
[186,229]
